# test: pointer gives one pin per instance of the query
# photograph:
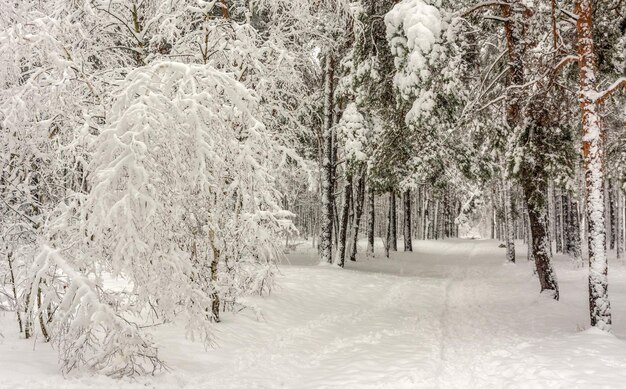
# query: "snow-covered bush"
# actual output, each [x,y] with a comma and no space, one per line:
[139,142]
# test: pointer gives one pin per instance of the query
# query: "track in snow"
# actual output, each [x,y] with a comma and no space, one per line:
[449,315]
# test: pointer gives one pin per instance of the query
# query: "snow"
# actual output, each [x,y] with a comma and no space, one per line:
[413,29]
[450,315]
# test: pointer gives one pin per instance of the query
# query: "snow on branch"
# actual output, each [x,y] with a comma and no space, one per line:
[600,97]
[484,4]
[88,332]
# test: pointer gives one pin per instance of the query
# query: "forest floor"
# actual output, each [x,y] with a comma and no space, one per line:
[451,314]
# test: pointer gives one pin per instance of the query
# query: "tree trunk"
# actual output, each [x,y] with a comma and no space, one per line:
[393,222]
[425,218]
[370,223]
[42,321]
[619,241]
[558,221]
[508,209]
[576,251]
[358,213]
[541,252]
[14,289]
[215,305]
[599,305]
[388,240]
[536,197]
[345,212]
[408,244]
[326,244]
[620,224]
[607,213]
[565,211]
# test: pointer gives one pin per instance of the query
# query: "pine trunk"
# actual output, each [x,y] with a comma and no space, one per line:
[599,305]
[536,197]
[370,223]
[576,250]
[558,221]
[620,225]
[408,244]
[326,244]
[393,222]
[343,230]
[509,228]
[358,213]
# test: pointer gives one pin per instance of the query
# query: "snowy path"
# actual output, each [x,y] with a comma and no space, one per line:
[450,315]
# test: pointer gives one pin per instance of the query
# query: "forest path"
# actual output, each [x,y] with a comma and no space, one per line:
[451,314]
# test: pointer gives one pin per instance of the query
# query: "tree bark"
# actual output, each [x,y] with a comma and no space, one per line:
[576,251]
[327,198]
[565,211]
[358,213]
[393,222]
[370,223]
[408,244]
[599,305]
[541,252]
[510,234]
[620,224]
[345,212]
[558,221]
[14,289]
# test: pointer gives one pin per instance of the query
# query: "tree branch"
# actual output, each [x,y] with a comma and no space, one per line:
[614,87]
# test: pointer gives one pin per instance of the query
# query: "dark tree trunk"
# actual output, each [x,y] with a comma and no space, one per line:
[14,289]
[537,215]
[558,222]
[509,221]
[345,212]
[565,211]
[358,213]
[327,198]
[408,244]
[576,250]
[370,223]
[393,222]
[388,234]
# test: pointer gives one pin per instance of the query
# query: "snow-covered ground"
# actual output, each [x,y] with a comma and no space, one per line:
[449,315]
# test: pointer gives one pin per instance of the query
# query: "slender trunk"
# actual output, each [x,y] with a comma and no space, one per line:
[345,212]
[358,213]
[508,209]
[14,289]
[28,324]
[333,180]
[567,238]
[436,220]
[558,221]
[408,244]
[370,223]
[388,240]
[576,251]
[326,244]
[393,222]
[599,305]
[619,241]
[215,304]
[42,322]
[607,213]
[620,224]
[527,231]
[425,217]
